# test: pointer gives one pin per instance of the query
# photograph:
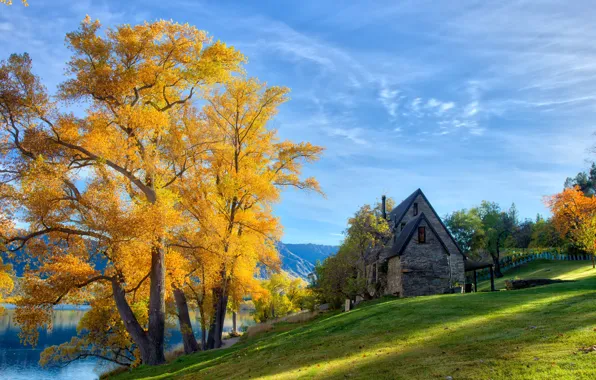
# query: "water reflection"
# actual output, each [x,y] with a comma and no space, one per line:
[18,362]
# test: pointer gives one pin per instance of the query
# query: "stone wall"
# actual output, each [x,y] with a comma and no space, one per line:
[458,271]
[425,208]
[456,259]
[425,268]
[394,277]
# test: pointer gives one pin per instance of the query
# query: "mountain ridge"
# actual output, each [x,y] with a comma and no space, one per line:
[299,259]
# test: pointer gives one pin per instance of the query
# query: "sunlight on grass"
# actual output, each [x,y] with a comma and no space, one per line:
[417,340]
[562,270]
[525,334]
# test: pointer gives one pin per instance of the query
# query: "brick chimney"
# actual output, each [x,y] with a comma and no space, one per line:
[383,210]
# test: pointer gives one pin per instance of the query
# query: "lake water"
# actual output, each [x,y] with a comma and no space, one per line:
[18,362]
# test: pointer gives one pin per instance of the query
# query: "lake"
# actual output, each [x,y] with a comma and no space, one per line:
[18,362]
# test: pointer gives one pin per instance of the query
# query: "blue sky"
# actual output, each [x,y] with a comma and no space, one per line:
[468,100]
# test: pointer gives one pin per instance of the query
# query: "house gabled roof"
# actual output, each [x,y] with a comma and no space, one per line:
[406,235]
[398,213]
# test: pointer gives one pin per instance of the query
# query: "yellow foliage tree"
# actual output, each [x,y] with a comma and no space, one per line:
[6,283]
[281,295]
[242,177]
[104,184]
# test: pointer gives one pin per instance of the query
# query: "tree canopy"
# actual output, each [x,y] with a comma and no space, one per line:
[146,198]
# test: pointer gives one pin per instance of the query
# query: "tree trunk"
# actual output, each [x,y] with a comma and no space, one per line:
[497,266]
[593,263]
[203,326]
[203,336]
[130,322]
[216,327]
[188,337]
[157,306]
[211,339]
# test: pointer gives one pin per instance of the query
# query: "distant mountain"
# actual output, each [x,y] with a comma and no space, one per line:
[299,259]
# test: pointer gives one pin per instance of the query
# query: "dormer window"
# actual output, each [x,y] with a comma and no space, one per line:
[421,235]
[415,209]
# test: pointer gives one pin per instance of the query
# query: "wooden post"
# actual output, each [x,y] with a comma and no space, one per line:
[475,282]
[492,279]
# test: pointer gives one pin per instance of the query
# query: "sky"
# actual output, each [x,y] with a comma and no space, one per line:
[467,100]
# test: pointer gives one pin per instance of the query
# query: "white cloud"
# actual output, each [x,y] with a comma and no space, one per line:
[352,134]
[416,104]
[389,100]
[446,106]
[471,109]
[438,106]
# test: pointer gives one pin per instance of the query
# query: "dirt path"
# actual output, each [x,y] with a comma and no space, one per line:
[229,342]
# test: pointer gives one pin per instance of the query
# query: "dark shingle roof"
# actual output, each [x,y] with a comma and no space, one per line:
[406,235]
[398,213]
[400,210]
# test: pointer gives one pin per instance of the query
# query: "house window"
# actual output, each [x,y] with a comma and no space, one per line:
[415,209]
[403,225]
[421,235]
[374,273]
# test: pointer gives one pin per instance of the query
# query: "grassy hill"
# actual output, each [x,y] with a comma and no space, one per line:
[534,333]
[562,270]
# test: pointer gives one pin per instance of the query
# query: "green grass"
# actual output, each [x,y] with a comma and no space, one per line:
[562,270]
[534,333]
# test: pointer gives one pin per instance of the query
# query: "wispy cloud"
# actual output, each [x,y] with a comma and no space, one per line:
[390,100]
[474,95]
[352,134]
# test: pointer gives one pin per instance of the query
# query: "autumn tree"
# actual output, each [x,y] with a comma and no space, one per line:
[100,334]
[281,295]
[574,216]
[366,235]
[103,183]
[247,169]
[6,283]
[346,274]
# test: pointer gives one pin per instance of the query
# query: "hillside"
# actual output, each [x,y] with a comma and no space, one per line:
[534,333]
[560,270]
[299,259]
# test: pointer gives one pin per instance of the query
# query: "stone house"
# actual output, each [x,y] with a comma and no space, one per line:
[420,257]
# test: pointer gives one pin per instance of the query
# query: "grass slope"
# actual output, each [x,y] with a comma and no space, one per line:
[562,270]
[524,334]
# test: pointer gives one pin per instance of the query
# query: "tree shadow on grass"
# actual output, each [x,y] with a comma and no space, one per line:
[401,337]
[539,342]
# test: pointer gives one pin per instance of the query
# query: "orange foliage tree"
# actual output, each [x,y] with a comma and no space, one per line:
[574,216]
[103,185]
